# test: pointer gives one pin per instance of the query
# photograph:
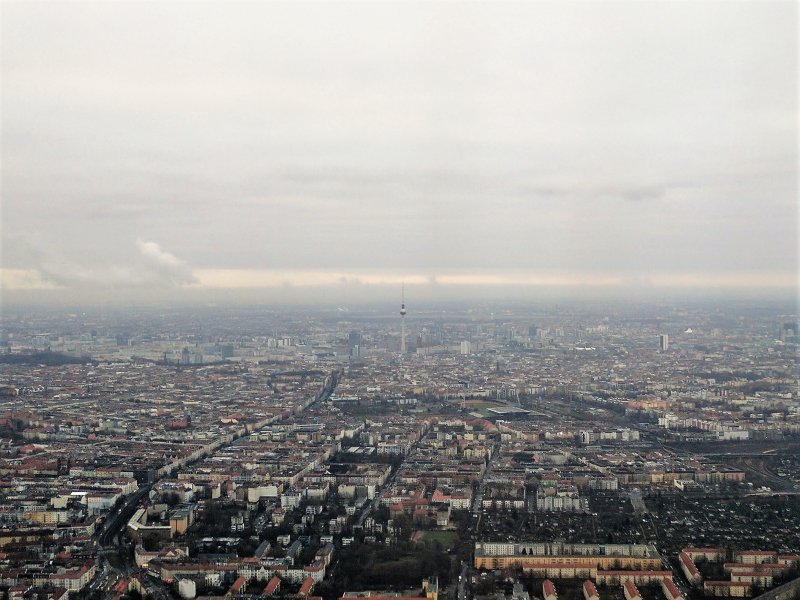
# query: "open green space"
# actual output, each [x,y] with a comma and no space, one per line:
[481,405]
[446,538]
[398,567]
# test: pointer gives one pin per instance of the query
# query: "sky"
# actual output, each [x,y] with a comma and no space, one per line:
[160,149]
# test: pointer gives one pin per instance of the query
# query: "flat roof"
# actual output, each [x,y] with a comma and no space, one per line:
[509,410]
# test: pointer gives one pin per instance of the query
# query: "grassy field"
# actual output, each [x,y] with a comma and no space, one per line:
[446,538]
[479,405]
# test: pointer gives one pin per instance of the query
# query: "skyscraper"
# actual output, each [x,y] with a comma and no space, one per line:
[663,342]
[354,344]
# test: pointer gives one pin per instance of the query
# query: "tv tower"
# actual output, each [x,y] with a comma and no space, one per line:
[403,320]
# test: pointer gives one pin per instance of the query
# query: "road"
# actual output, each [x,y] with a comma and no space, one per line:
[379,496]
[478,502]
[110,538]
[114,524]
[758,467]
[462,582]
[386,486]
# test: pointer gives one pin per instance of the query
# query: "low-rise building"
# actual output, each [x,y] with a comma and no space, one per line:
[590,591]
[549,590]
[630,591]
[689,569]
[726,588]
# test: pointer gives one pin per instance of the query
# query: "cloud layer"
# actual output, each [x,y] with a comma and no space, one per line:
[150,267]
[509,140]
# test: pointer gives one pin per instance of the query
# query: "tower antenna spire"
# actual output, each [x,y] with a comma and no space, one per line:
[403,318]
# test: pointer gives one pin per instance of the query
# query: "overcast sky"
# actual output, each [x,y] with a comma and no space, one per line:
[189,145]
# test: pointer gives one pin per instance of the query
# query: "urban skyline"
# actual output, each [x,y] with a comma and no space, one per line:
[399,300]
[573,450]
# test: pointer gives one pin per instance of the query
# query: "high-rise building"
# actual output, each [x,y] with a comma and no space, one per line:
[663,342]
[353,339]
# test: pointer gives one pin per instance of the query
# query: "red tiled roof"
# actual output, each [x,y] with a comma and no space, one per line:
[238,584]
[672,588]
[273,585]
[689,563]
[633,592]
[306,586]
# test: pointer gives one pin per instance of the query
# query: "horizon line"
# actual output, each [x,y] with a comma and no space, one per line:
[209,279]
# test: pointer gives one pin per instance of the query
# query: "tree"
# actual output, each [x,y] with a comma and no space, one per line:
[247,547]
[402,525]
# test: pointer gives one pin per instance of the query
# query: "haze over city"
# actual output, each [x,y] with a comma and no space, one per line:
[399,300]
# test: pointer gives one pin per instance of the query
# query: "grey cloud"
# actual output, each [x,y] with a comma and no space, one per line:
[625,137]
[447,187]
[169,268]
[150,267]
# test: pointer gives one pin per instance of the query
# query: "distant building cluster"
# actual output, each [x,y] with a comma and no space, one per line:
[243,454]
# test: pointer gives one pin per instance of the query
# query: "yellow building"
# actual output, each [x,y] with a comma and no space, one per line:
[580,560]
[180,520]
[431,588]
